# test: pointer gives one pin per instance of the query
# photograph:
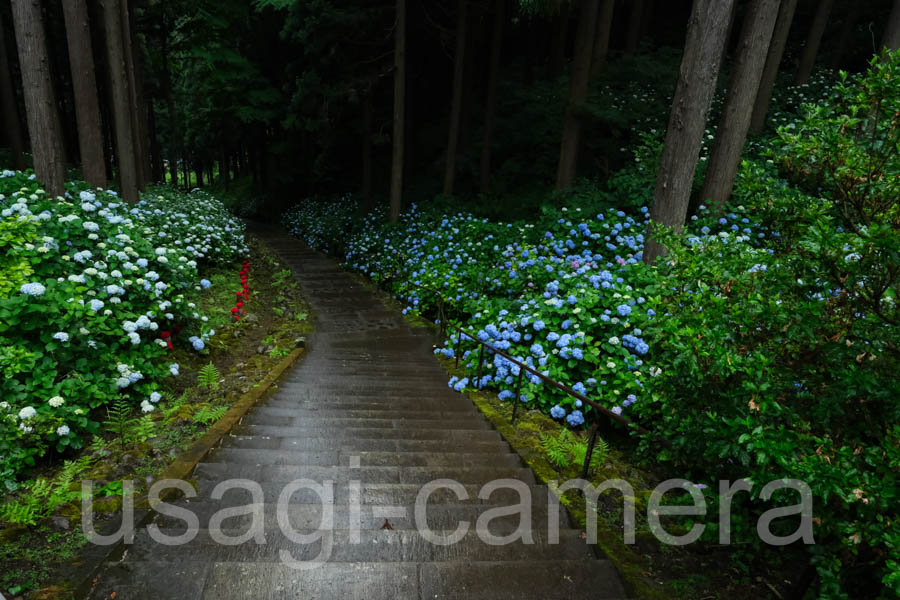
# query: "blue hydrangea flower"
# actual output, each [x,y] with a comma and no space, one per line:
[205,283]
[557,412]
[61,336]
[575,418]
[538,325]
[624,310]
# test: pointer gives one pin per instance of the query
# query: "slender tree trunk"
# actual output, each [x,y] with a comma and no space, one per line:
[9,106]
[813,40]
[557,62]
[135,89]
[174,145]
[490,104]
[84,87]
[633,35]
[156,158]
[40,103]
[726,46]
[773,61]
[581,74]
[459,61]
[118,76]
[224,175]
[891,39]
[602,35]
[368,126]
[707,30]
[399,111]
[734,122]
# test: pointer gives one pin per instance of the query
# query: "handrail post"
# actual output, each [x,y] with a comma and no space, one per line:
[590,451]
[458,345]
[516,397]
[480,360]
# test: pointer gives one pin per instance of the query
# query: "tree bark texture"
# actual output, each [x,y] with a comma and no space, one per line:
[602,35]
[490,104]
[773,61]
[122,113]
[813,40]
[707,31]
[891,38]
[734,123]
[40,103]
[581,74]
[399,111]
[84,87]
[459,62]
[9,107]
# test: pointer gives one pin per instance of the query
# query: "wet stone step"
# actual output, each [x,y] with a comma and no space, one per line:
[362,445]
[392,494]
[380,433]
[323,411]
[472,422]
[370,545]
[365,458]
[513,580]
[491,520]
[343,475]
[448,405]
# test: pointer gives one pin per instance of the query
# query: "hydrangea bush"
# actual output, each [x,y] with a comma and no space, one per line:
[94,290]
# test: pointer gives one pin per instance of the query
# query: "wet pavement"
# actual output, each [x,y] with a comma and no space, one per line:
[368,418]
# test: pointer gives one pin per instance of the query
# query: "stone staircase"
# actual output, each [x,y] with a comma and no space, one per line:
[370,411]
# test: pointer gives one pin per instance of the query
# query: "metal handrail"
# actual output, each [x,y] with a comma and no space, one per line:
[522,368]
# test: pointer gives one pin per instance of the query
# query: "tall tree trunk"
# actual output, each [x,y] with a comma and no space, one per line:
[135,87]
[399,111]
[557,62]
[156,158]
[224,175]
[773,61]
[490,104]
[726,46]
[707,30]
[84,88]
[734,122]
[118,78]
[581,74]
[9,106]
[368,126]
[813,40]
[40,104]
[174,145]
[602,35]
[459,61]
[891,38]
[633,34]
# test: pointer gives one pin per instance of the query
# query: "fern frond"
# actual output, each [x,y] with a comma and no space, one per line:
[208,377]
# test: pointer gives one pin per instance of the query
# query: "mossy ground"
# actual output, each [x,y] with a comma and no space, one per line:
[42,556]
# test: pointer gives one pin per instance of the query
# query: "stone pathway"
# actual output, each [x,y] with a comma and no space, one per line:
[369,391]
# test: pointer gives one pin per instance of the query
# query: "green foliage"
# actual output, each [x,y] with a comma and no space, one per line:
[779,356]
[207,415]
[567,450]
[40,497]
[208,378]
